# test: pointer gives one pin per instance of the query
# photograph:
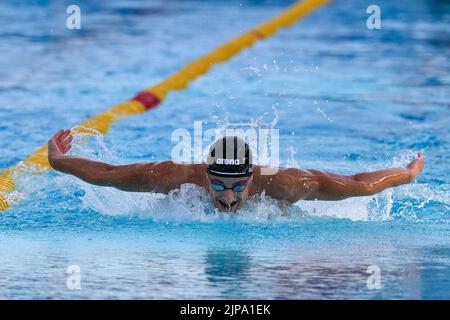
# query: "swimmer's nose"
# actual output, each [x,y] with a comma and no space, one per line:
[228,197]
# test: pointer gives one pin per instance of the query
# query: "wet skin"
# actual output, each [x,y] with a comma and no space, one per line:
[286,184]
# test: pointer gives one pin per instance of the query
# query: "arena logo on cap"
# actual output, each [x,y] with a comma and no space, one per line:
[193,148]
[234,162]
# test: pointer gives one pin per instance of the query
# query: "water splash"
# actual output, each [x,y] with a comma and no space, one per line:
[191,203]
[93,145]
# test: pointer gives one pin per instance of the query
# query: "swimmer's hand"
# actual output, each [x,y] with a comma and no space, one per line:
[59,145]
[416,166]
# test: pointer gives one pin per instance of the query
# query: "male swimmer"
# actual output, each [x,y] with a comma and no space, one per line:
[229,175]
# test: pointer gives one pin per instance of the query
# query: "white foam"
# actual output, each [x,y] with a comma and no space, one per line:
[191,203]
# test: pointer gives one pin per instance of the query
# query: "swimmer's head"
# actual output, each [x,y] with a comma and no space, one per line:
[229,173]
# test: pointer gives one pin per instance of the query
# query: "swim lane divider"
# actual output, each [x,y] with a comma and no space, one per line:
[151,97]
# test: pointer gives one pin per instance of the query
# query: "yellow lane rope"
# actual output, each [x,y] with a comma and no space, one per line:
[151,97]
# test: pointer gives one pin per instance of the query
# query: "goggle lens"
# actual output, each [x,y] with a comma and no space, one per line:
[239,188]
[217,187]
[236,188]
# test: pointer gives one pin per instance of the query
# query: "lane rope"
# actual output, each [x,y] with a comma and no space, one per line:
[151,97]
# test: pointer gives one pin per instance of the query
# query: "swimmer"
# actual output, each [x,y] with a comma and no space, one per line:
[229,175]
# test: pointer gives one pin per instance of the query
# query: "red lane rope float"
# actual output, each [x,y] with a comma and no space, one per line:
[153,96]
[148,100]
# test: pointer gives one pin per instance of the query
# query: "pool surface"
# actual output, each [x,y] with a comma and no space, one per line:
[344,98]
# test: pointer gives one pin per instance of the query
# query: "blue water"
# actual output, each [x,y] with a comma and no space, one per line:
[345,99]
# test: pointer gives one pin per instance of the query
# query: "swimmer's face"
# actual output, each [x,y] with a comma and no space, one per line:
[228,194]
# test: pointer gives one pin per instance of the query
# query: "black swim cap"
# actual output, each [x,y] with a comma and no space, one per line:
[230,157]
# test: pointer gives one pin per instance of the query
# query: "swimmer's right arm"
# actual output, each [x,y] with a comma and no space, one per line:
[160,176]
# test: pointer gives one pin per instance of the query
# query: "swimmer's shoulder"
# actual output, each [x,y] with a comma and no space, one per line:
[278,180]
[264,173]
[196,173]
[176,172]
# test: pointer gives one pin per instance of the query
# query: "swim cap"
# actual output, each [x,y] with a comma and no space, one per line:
[230,157]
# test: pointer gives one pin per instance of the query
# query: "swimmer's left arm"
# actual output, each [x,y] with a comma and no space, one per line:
[330,186]
[295,184]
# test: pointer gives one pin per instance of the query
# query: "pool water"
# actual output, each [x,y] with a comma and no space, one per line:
[344,98]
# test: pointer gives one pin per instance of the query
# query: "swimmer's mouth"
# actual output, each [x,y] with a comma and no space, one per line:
[227,207]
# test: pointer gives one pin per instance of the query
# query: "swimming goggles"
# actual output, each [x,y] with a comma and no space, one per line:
[238,187]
